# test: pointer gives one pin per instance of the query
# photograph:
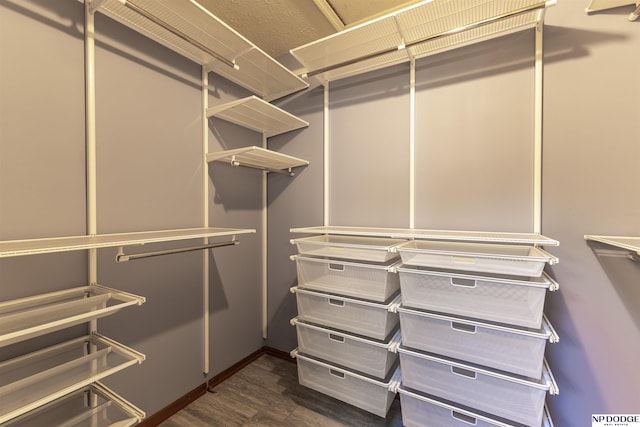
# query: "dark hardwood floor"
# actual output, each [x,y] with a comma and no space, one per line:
[267,393]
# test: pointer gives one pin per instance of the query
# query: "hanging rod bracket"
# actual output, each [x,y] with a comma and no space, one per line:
[122,257]
[94,5]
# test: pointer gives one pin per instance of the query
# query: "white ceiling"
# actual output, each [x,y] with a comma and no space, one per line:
[279,25]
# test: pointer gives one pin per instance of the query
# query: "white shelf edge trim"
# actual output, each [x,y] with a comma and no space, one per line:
[257,157]
[424,234]
[258,115]
[29,317]
[11,248]
[53,372]
[630,243]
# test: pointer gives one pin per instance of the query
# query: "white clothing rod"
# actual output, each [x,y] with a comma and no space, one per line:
[122,257]
[178,33]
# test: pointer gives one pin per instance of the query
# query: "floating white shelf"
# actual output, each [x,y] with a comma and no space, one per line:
[256,114]
[422,29]
[11,248]
[33,380]
[91,406]
[29,317]
[623,242]
[259,158]
[450,235]
[191,30]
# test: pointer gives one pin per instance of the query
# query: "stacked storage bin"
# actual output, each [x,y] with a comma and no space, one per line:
[474,334]
[347,325]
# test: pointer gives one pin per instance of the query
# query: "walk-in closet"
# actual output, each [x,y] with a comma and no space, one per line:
[328,212]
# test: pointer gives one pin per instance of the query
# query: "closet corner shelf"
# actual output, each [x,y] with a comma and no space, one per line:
[36,379]
[422,29]
[421,234]
[259,158]
[29,317]
[11,248]
[73,409]
[191,30]
[258,115]
[623,242]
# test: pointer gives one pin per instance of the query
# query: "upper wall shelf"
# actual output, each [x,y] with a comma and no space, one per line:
[450,235]
[258,158]
[11,248]
[623,242]
[258,115]
[425,28]
[194,32]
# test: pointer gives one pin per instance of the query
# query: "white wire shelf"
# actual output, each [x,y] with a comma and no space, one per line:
[33,380]
[258,115]
[259,158]
[191,30]
[425,28]
[623,242]
[449,235]
[11,248]
[91,406]
[30,317]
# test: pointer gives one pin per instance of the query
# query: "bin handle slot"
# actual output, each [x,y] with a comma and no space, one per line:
[337,374]
[467,373]
[462,327]
[336,338]
[336,302]
[464,418]
[336,267]
[467,283]
[464,260]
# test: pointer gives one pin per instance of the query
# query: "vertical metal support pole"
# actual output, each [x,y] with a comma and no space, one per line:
[205,221]
[90,143]
[537,154]
[325,139]
[264,248]
[412,143]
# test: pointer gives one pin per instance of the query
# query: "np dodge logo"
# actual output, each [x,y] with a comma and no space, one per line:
[615,420]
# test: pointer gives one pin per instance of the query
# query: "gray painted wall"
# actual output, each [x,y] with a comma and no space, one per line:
[149,149]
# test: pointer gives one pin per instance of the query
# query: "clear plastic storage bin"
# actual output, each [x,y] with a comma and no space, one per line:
[483,257]
[420,410]
[376,249]
[372,395]
[367,318]
[375,282]
[511,349]
[513,397]
[365,355]
[506,299]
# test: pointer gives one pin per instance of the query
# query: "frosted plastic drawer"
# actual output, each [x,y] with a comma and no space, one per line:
[513,397]
[372,395]
[505,299]
[367,318]
[419,410]
[511,349]
[484,257]
[376,282]
[368,356]
[376,249]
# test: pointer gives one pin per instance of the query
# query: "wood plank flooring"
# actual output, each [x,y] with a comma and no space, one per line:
[266,393]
